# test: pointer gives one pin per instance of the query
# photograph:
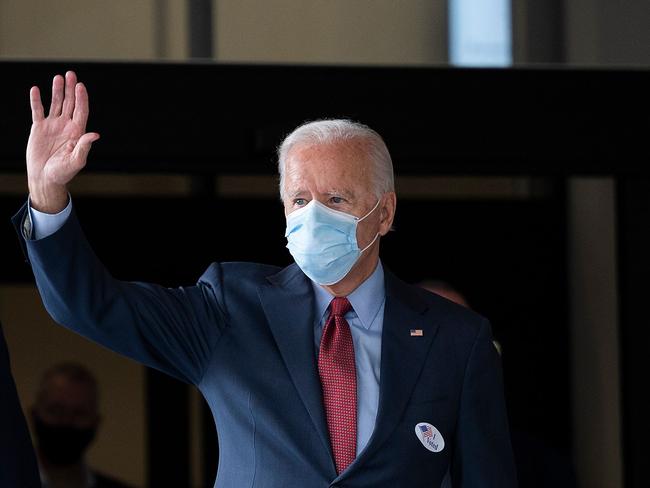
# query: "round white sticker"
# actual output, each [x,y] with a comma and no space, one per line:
[430,437]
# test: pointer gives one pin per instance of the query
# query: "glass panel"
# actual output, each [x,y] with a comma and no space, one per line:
[480,32]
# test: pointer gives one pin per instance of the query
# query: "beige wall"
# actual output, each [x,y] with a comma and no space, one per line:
[331,31]
[93,29]
[309,31]
[35,342]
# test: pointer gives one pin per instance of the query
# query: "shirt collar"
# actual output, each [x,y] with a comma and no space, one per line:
[366,300]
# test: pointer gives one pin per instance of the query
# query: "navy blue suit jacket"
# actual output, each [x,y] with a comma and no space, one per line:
[244,336]
[17,461]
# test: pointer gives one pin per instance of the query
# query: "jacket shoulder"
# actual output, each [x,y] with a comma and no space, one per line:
[237,271]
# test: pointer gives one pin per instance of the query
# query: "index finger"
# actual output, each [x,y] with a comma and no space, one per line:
[80,114]
[36,104]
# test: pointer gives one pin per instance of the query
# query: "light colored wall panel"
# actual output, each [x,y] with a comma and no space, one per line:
[171,29]
[309,31]
[331,31]
[83,29]
[35,342]
[177,30]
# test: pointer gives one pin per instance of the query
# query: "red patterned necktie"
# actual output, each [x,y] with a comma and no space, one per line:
[338,378]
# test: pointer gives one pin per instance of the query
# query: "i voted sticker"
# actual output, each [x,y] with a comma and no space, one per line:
[430,437]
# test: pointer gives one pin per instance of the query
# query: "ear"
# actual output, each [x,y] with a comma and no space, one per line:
[387,212]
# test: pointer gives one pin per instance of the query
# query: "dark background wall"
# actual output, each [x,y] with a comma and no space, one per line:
[508,254]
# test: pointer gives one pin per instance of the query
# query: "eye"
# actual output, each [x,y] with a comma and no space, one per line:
[336,200]
[299,202]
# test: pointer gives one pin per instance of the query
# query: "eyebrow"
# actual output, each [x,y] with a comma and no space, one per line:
[297,193]
[344,193]
[332,192]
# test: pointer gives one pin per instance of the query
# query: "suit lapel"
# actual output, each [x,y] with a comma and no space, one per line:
[288,302]
[402,359]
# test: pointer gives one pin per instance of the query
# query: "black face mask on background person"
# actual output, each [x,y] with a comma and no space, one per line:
[62,444]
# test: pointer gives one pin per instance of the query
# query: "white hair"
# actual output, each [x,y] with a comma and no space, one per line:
[329,131]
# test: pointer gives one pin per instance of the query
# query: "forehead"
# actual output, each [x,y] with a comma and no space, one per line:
[62,390]
[344,164]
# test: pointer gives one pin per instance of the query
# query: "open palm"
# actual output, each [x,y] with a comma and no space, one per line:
[58,144]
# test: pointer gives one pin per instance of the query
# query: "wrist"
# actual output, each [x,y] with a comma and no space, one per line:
[50,200]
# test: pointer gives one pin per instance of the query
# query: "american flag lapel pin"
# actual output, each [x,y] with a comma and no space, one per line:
[416,333]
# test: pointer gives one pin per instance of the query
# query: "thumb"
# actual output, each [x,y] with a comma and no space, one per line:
[82,148]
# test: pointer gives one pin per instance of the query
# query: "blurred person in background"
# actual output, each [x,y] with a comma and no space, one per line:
[65,418]
[539,465]
[446,290]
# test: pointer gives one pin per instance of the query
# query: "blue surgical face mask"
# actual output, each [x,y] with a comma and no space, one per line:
[323,241]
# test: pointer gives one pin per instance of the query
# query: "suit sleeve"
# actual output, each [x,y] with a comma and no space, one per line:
[483,454]
[172,330]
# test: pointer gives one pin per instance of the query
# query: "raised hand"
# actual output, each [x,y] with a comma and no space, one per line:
[58,144]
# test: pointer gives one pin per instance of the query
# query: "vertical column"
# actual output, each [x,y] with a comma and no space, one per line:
[201,47]
[160,28]
[538,31]
[200,22]
[593,304]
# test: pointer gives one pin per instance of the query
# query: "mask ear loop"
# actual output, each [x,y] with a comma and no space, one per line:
[359,219]
[371,243]
[377,234]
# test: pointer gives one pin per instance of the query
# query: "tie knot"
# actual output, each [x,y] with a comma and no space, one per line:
[340,306]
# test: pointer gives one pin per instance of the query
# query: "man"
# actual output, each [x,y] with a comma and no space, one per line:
[66,418]
[17,462]
[330,372]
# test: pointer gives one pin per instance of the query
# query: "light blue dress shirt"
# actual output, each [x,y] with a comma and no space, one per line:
[366,321]
[44,224]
